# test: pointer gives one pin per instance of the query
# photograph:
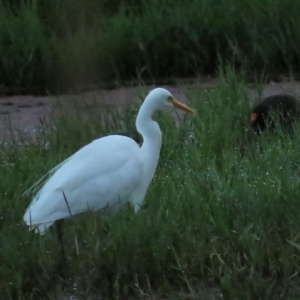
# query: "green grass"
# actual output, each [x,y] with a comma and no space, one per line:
[61,46]
[221,215]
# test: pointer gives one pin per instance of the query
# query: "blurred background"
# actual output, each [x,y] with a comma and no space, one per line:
[60,46]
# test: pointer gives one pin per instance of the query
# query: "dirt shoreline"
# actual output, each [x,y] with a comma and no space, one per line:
[23,114]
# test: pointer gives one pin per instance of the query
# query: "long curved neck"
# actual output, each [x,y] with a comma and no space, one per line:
[151,135]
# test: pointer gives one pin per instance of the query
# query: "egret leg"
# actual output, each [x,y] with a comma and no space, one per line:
[61,265]
[60,238]
[59,232]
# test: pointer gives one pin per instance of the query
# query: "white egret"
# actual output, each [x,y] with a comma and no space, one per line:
[104,174]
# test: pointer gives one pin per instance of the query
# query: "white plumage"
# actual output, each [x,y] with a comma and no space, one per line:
[104,174]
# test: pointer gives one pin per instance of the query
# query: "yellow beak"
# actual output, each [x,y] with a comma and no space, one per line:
[181,106]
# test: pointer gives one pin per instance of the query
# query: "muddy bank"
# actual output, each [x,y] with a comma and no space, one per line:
[23,114]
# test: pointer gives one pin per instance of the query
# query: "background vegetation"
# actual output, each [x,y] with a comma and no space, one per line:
[58,46]
[221,217]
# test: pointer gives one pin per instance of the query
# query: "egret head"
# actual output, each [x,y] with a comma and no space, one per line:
[161,98]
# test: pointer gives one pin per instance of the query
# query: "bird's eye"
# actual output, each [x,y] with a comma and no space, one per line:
[170,99]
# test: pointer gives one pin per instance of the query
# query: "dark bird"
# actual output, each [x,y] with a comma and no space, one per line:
[285,106]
